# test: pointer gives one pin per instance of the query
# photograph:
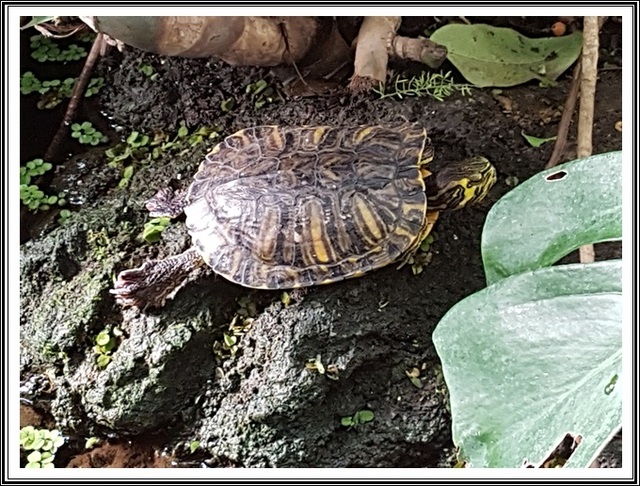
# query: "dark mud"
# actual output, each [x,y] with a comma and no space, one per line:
[258,405]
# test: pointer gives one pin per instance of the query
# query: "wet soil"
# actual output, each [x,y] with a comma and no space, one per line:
[380,325]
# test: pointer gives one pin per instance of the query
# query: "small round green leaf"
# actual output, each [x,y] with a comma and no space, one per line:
[35,456]
[132,137]
[103,360]
[102,339]
[346,421]
[91,442]
[27,433]
[365,416]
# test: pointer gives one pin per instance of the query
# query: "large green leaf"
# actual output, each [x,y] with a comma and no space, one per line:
[532,358]
[548,216]
[496,56]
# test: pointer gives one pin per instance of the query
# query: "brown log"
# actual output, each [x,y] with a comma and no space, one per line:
[253,41]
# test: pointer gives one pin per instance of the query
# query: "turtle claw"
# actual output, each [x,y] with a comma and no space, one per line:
[133,288]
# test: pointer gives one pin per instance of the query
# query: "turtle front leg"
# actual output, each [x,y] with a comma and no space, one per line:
[167,202]
[155,281]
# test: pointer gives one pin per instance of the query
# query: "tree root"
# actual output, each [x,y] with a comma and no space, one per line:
[372,52]
[421,50]
[377,41]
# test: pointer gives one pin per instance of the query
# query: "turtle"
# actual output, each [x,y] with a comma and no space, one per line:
[283,207]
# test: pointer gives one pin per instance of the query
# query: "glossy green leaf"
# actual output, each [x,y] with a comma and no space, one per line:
[151,233]
[536,141]
[552,214]
[532,358]
[497,56]
[364,416]
[194,446]
[346,421]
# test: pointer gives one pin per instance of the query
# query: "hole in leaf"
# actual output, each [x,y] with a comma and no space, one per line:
[556,176]
[560,454]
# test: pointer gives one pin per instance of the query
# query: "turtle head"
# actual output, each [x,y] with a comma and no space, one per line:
[460,184]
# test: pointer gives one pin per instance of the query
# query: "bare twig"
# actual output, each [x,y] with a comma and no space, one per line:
[587,102]
[588,86]
[78,91]
[567,115]
[569,107]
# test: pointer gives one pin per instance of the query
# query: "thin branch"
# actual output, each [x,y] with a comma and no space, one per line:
[590,47]
[569,107]
[567,115]
[76,96]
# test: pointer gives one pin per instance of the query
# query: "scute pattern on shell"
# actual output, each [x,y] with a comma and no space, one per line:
[283,207]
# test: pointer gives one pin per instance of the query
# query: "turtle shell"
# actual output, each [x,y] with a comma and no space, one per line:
[284,207]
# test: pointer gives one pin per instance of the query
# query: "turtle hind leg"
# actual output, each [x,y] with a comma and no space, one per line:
[167,202]
[156,280]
